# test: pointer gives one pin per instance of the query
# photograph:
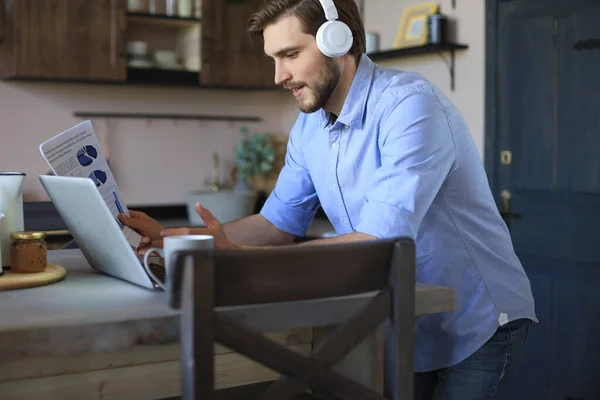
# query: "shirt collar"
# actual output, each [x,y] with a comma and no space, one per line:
[354,106]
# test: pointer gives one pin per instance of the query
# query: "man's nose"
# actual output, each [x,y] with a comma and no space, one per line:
[281,74]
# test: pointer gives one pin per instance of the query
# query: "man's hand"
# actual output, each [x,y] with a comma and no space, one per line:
[146,226]
[213,228]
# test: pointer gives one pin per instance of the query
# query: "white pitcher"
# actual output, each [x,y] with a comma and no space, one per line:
[11,205]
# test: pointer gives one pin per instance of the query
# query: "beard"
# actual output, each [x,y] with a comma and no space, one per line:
[316,96]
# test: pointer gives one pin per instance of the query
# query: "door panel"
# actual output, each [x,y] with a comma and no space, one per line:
[576,325]
[248,65]
[578,46]
[69,39]
[549,118]
[557,224]
[214,43]
[526,85]
[560,361]
[230,56]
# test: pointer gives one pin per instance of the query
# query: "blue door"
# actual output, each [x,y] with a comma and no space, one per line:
[547,181]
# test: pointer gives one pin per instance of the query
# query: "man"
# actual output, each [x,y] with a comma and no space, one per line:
[386,154]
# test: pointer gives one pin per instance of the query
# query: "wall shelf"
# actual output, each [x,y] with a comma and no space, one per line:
[151,78]
[181,78]
[417,50]
[161,20]
[422,50]
[157,76]
[197,117]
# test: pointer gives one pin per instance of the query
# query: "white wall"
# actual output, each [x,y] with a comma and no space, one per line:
[158,162]
[154,161]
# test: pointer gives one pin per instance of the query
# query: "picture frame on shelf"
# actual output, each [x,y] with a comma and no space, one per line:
[413,28]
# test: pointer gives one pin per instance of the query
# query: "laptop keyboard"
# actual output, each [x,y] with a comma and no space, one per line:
[158,270]
[155,265]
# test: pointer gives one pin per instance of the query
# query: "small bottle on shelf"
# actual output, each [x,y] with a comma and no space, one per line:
[197,8]
[184,8]
[171,8]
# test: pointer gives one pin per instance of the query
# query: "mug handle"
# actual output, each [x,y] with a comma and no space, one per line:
[148,270]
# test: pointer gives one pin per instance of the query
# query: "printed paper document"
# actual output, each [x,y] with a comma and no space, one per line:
[77,152]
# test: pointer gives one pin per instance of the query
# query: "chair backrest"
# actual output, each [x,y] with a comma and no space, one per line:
[294,273]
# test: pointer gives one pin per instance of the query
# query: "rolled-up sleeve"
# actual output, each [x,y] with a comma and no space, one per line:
[417,154]
[293,203]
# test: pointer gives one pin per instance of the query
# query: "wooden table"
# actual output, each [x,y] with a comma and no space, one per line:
[95,336]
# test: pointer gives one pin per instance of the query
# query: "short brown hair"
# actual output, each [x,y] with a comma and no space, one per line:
[311,16]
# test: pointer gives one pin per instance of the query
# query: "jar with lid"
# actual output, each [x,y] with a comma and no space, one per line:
[28,253]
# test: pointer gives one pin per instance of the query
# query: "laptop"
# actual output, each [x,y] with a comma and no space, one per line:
[97,233]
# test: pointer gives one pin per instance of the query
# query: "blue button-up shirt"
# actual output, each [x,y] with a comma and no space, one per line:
[400,161]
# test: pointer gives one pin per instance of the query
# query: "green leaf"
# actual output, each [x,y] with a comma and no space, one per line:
[254,154]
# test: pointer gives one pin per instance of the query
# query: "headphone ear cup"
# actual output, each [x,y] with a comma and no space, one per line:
[334,39]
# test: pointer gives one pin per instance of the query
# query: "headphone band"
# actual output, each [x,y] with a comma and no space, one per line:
[330,11]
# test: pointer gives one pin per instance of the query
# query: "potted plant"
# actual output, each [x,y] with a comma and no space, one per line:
[254,157]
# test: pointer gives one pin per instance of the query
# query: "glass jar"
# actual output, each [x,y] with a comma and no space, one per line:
[28,253]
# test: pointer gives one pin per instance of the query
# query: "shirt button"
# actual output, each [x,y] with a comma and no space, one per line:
[334,145]
[345,221]
[346,127]
[335,186]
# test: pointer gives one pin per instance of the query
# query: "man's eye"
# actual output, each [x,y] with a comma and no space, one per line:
[292,55]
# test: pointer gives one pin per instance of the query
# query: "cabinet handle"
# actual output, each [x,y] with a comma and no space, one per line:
[122,47]
[113,33]
[204,49]
[1,20]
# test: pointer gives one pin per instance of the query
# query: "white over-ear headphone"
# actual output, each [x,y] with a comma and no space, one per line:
[334,38]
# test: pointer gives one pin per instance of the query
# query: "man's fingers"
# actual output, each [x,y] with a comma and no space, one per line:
[143,248]
[157,243]
[175,232]
[209,220]
[136,214]
[130,222]
[185,231]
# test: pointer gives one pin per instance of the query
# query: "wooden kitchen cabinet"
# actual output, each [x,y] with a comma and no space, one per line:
[85,41]
[62,39]
[229,55]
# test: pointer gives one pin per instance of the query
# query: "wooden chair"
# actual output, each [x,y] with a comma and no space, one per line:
[204,280]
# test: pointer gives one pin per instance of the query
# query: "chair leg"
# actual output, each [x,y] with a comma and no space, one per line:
[196,336]
[399,347]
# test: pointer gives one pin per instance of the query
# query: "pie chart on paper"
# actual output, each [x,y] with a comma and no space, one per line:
[86,155]
[99,177]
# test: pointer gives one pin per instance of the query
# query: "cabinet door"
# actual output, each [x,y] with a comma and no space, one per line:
[229,56]
[213,43]
[65,39]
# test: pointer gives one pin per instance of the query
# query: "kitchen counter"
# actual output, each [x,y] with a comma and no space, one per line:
[92,333]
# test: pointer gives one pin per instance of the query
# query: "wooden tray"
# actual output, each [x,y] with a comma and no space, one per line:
[11,280]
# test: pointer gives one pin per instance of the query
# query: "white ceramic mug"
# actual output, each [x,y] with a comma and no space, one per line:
[1,268]
[372,42]
[175,243]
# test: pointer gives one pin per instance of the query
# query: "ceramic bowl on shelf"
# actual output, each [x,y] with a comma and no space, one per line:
[165,58]
[137,47]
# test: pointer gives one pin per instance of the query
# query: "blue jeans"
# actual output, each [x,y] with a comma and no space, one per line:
[484,375]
